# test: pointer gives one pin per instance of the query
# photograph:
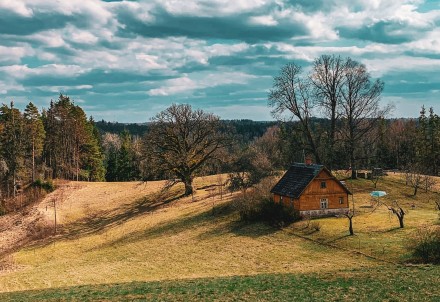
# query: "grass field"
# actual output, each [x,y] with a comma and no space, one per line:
[378,284]
[129,241]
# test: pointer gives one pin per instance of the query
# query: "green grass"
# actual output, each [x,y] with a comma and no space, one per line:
[378,284]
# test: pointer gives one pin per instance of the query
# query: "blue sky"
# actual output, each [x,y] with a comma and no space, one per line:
[127,60]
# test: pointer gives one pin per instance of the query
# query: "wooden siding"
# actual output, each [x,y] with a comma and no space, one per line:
[310,199]
[287,201]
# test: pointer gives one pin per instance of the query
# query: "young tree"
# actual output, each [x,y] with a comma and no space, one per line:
[292,92]
[414,178]
[397,210]
[181,140]
[35,134]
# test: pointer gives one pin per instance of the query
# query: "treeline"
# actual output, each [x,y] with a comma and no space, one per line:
[59,142]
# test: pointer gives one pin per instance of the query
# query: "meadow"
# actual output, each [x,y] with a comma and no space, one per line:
[119,241]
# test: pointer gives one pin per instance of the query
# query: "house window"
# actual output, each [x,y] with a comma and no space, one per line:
[341,200]
[323,185]
[324,203]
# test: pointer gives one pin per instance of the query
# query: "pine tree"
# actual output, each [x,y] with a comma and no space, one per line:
[12,144]
[71,148]
[35,135]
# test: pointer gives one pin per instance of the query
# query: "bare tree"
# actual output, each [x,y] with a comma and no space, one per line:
[328,78]
[428,182]
[360,106]
[414,178]
[397,210]
[181,140]
[291,92]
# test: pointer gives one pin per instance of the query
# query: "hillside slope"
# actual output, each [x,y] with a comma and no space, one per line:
[122,232]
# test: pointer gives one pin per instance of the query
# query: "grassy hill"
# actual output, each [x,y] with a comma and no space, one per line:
[132,241]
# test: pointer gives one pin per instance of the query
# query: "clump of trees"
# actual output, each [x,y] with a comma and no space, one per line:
[342,91]
[123,154]
[71,149]
[59,142]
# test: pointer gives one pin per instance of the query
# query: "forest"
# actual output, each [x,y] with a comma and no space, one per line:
[331,113]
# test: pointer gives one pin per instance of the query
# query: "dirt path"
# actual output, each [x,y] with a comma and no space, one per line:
[72,201]
[29,224]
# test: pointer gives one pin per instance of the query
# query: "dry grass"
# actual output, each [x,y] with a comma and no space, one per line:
[123,232]
[120,232]
[377,231]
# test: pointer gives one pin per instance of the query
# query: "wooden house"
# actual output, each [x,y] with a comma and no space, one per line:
[312,190]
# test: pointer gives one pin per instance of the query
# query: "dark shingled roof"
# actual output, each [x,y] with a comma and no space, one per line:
[296,179]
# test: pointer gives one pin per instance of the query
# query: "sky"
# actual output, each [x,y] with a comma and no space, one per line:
[126,61]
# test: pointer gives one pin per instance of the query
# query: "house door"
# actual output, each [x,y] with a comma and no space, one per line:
[324,203]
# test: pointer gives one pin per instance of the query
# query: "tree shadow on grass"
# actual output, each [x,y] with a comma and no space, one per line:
[333,240]
[189,221]
[392,229]
[97,222]
[213,223]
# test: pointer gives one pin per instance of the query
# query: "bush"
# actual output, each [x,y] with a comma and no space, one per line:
[257,205]
[425,245]
[48,185]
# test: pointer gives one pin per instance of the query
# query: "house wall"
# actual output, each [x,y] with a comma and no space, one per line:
[287,201]
[311,198]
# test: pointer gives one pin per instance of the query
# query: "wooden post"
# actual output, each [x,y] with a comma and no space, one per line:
[55,212]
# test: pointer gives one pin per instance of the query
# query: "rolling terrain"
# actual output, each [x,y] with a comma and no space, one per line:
[131,240]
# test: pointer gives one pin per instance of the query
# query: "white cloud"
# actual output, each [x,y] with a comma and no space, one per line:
[263,20]
[174,86]
[199,81]
[23,71]
[381,66]
[212,8]
[17,7]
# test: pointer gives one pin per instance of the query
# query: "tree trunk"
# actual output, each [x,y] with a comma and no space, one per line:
[188,186]
[33,160]
[400,221]
[353,173]
[350,226]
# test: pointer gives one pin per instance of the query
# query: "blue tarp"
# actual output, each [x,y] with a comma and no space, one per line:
[378,193]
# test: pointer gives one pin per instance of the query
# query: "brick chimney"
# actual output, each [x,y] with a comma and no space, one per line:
[308,160]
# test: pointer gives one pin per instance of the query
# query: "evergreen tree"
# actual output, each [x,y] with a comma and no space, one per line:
[35,135]
[71,149]
[12,144]
[126,169]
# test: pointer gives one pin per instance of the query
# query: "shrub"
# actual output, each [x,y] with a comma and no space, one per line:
[47,185]
[425,245]
[257,205]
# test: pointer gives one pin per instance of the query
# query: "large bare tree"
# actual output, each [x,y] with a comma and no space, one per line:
[180,140]
[360,106]
[292,92]
[328,78]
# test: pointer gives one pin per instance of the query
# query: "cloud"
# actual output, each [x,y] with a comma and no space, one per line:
[201,81]
[216,54]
